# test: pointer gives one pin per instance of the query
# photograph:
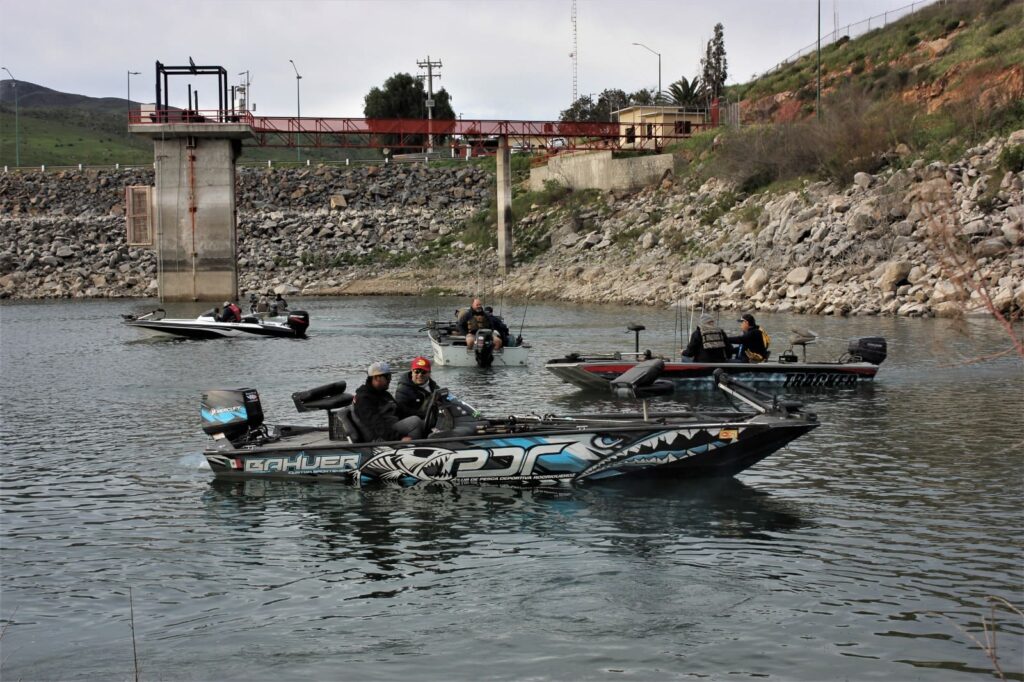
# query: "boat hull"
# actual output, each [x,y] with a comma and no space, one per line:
[210,329]
[619,448]
[456,354]
[596,374]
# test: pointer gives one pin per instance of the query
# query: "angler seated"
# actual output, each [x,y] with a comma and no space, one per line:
[642,381]
[378,415]
[477,318]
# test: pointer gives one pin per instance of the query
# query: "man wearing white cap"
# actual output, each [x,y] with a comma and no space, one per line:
[377,413]
[708,343]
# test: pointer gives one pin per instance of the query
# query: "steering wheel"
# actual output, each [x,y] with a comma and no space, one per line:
[430,414]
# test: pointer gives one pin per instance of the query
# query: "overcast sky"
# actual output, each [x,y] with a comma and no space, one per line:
[502,59]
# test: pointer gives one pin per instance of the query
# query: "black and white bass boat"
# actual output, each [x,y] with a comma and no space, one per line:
[450,350]
[858,364]
[206,326]
[466,447]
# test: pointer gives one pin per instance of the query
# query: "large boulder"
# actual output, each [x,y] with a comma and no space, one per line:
[893,274]
[799,275]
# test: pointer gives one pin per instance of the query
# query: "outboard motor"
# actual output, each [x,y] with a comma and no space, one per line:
[298,320]
[483,346]
[869,348]
[231,413]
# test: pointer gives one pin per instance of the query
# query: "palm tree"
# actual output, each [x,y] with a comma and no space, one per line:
[684,93]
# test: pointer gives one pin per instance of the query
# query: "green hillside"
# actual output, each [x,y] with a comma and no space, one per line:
[61,129]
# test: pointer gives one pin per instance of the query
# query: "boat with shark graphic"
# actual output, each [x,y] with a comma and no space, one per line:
[464,447]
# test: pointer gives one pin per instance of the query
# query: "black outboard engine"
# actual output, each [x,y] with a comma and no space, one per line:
[869,349]
[483,346]
[298,320]
[231,413]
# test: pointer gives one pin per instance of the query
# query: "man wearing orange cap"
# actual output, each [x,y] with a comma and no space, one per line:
[415,387]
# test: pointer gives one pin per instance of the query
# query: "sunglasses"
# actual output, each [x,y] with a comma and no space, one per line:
[421,371]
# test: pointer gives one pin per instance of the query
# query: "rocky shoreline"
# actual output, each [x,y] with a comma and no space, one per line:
[930,239]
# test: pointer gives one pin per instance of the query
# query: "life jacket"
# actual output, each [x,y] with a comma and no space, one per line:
[712,339]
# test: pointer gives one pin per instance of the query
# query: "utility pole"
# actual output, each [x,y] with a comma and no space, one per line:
[429,66]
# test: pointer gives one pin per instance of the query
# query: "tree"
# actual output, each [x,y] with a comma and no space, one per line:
[586,109]
[684,93]
[714,68]
[403,96]
[642,97]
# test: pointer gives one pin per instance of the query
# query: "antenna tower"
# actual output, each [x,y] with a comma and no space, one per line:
[575,54]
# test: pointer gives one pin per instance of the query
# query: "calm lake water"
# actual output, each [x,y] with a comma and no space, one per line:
[867,550]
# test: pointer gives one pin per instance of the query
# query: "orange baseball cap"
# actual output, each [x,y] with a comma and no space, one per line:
[421,363]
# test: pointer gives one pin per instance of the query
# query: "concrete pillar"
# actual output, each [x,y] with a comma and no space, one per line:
[504,167]
[195,230]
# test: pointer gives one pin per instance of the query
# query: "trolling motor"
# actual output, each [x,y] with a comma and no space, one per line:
[483,347]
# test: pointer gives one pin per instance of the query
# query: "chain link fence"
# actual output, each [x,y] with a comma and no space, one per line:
[856,30]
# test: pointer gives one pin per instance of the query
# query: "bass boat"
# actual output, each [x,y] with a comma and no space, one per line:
[858,364]
[465,447]
[206,326]
[450,348]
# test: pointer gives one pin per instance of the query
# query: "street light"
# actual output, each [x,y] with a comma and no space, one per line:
[17,140]
[298,112]
[658,96]
[130,74]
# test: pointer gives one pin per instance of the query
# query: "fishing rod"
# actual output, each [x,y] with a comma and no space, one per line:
[523,323]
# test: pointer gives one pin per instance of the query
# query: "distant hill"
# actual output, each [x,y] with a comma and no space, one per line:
[63,129]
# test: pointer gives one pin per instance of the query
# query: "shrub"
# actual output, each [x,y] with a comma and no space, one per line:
[1012,158]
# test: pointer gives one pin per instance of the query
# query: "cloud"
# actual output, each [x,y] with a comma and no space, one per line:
[501,59]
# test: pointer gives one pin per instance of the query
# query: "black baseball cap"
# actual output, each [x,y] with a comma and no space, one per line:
[748,317]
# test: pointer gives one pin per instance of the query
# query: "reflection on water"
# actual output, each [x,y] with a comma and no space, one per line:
[866,550]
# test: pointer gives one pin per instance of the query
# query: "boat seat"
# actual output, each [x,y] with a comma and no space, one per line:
[343,426]
[642,381]
[326,397]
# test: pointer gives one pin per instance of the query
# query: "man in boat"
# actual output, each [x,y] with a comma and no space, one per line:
[751,345]
[415,388]
[230,313]
[477,318]
[708,343]
[377,413]
[499,324]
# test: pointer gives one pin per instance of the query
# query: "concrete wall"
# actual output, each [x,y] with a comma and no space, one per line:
[197,258]
[598,170]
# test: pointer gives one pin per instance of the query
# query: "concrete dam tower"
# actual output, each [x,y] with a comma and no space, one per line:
[193,207]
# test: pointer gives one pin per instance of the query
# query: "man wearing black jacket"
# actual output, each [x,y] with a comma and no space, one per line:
[377,413]
[477,318]
[415,388]
[750,341]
